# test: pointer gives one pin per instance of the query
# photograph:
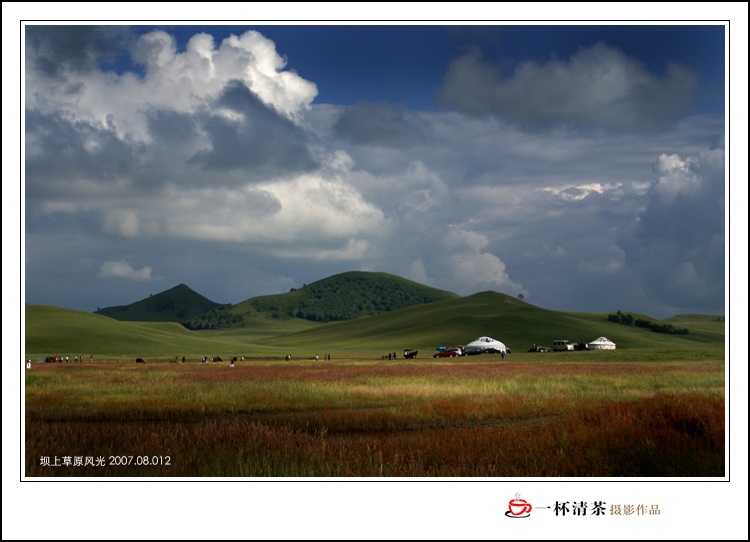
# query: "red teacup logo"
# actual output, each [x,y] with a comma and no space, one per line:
[518,507]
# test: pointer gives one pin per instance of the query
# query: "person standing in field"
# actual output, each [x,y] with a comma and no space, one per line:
[91,358]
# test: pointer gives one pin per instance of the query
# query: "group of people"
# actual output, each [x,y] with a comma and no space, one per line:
[217,358]
[326,357]
[66,359]
[389,356]
[204,359]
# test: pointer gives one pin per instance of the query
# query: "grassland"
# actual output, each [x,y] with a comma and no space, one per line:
[644,412]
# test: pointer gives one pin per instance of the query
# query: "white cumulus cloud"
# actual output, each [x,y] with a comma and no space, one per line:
[123,269]
[179,81]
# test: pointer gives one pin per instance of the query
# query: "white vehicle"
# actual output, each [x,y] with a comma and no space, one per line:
[561,345]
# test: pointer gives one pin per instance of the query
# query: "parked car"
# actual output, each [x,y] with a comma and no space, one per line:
[561,345]
[448,353]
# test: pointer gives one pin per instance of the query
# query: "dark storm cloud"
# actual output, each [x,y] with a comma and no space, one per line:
[246,134]
[59,150]
[54,50]
[599,86]
[170,126]
[678,245]
[381,123]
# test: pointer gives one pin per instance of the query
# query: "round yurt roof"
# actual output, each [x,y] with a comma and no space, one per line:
[601,340]
[486,342]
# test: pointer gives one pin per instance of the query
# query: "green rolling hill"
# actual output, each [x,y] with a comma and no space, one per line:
[174,305]
[346,296]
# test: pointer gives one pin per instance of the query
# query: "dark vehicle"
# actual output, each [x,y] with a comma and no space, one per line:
[474,351]
[410,353]
[448,353]
[535,348]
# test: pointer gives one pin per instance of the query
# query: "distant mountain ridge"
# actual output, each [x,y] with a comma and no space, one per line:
[174,305]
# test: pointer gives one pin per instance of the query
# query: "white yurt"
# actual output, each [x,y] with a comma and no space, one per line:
[483,344]
[602,343]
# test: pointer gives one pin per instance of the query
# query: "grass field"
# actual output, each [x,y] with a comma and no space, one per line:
[641,412]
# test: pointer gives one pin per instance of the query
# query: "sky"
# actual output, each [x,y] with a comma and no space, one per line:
[582,166]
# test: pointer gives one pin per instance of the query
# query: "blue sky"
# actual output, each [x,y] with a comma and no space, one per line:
[405,63]
[581,166]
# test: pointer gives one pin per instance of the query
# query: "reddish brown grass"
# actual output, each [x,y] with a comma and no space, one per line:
[339,373]
[657,436]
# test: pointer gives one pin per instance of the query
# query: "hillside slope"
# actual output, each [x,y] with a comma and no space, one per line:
[174,305]
[346,296]
[53,329]
[459,321]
